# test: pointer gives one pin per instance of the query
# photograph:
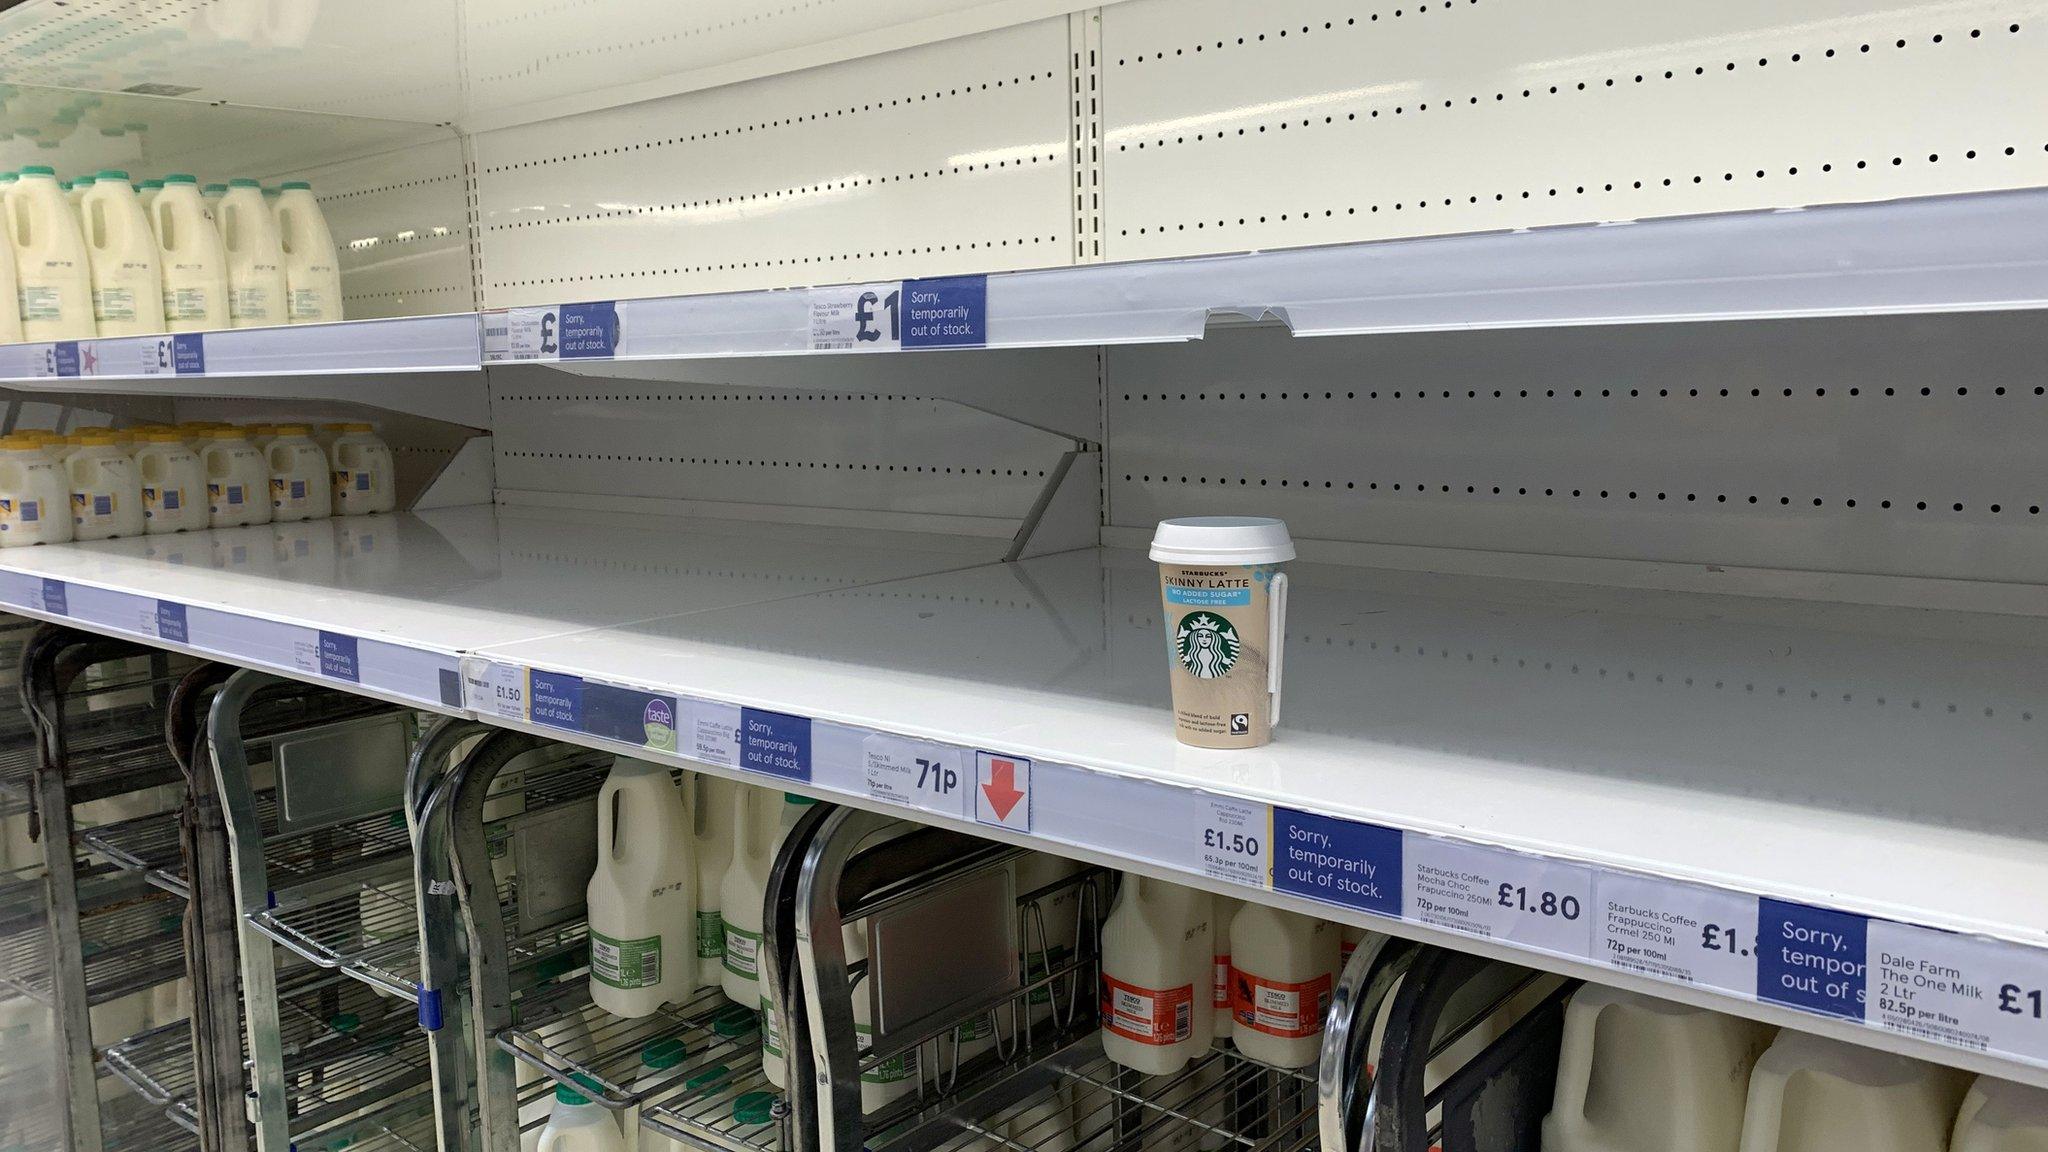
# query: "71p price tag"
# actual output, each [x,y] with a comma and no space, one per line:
[918,774]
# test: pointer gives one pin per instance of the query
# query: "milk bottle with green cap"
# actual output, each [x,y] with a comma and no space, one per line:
[10,293]
[148,191]
[53,278]
[712,817]
[761,819]
[578,1124]
[248,233]
[312,270]
[661,1068]
[643,895]
[195,269]
[127,289]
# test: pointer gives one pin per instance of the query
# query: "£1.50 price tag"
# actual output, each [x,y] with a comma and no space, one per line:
[918,774]
[1232,839]
[494,689]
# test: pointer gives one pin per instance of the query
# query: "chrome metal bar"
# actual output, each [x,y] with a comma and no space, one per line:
[428,807]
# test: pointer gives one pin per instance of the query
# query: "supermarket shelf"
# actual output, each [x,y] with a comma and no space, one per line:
[1937,254]
[374,362]
[385,605]
[130,936]
[563,1037]
[156,1064]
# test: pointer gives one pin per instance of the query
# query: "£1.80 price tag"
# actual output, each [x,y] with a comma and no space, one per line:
[918,774]
[1500,895]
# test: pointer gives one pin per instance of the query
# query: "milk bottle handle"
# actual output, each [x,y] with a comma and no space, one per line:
[1575,1066]
[1276,631]
[1765,1111]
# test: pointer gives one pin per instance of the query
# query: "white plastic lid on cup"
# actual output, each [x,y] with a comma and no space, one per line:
[1222,540]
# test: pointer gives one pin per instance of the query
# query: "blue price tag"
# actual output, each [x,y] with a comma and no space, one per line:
[55,598]
[188,354]
[338,657]
[947,312]
[556,700]
[1810,958]
[587,331]
[170,623]
[1339,861]
[64,358]
[775,743]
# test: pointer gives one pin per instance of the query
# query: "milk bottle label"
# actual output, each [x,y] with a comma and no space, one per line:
[771,1031]
[113,304]
[742,952]
[894,1070]
[156,500]
[1158,1016]
[40,302]
[287,493]
[184,303]
[91,507]
[1221,983]
[226,496]
[23,512]
[1289,1011]
[306,303]
[251,303]
[632,963]
[710,935]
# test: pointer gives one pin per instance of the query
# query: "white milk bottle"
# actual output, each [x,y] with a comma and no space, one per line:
[364,477]
[1811,1094]
[53,277]
[127,289]
[576,1124]
[148,191]
[173,484]
[661,1067]
[2001,1116]
[312,270]
[1280,983]
[194,267]
[300,488]
[248,234]
[237,480]
[757,832]
[35,496]
[10,293]
[1226,914]
[74,195]
[210,198]
[712,816]
[1635,1072]
[106,490]
[1157,952]
[643,896]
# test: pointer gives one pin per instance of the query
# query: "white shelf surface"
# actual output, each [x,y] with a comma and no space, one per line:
[1654,761]
[388,604]
[1937,254]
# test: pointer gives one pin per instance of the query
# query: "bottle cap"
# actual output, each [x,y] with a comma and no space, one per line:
[734,1021]
[164,436]
[588,1085]
[215,189]
[111,174]
[180,178]
[20,443]
[292,429]
[708,1077]
[793,798]
[96,440]
[243,182]
[1222,540]
[753,1108]
[152,183]
[230,432]
[344,1022]
[295,185]
[82,181]
[662,1054]
[355,428]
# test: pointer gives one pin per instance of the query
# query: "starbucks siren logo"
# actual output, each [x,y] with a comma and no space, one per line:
[1206,644]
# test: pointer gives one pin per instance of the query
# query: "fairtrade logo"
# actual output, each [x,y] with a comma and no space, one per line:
[1206,645]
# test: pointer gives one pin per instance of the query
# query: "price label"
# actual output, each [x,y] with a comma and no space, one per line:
[493,689]
[1233,839]
[857,318]
[306,652]
[1500,895]
[1677,932]
[1962,991]
[929,777]
[154,356]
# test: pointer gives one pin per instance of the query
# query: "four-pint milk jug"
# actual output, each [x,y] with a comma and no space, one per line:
[35,497]
[53,277]
[643,896]
[194,267]
[2001,1116]
[578,1124]
[1636,1073]
[106,490]
[248,233]
[173,484]
[712,815]
[237,480]
[127,290]
[10,291]
[299,484]
[1158,969]
[364,478]
[1811,1094]
[756,834]
[312,271]
[1282,969]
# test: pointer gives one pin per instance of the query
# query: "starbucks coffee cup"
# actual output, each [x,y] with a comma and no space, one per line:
[1226,607]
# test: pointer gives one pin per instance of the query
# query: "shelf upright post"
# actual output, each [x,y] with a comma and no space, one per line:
[429,806]
[252,896]
[53,661]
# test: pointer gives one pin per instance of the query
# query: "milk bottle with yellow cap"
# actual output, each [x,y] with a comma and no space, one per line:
[35,498]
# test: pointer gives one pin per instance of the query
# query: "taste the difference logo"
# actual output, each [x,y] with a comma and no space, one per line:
[1206,645]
